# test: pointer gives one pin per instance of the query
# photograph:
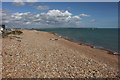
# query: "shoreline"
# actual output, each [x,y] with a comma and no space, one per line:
[49,55]
[107,52]
[86,44]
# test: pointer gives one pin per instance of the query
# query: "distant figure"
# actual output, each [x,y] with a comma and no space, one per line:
[2,30]
[2,27]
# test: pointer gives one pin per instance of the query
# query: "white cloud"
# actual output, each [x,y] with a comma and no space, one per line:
[51,18]
[59,13]
[6,21]
[27,22]
[19,16]
[76,17]
[42,7]
[84,15]
[31,0]
[18,2]
[5,16]
[37,15]
[93,20]
[23,2]
[37,20]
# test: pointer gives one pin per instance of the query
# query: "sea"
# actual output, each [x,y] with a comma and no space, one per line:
[104,38]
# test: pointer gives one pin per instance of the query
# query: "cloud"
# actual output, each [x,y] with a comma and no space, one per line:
[23,2]
[42,7]
[84,15]
[27,22]
[52,18]
[18,2]
[93,20]
[31,0]
[59,13]
[5,16]
[0,16]
[57,17]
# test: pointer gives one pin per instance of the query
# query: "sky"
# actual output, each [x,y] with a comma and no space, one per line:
[62,0]
[60,14]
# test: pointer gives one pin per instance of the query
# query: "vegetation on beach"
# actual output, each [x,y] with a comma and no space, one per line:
[15,32]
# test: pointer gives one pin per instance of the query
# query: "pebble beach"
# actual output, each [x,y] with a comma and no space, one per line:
[38,54]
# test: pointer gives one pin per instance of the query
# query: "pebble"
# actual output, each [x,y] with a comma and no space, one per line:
[62,62]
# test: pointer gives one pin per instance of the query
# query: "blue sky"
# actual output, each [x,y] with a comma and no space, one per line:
[62,0]
[61,14]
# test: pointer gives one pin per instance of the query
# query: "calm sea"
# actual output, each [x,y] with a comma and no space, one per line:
[100,38]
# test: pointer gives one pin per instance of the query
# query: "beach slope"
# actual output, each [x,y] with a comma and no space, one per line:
[37,54]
